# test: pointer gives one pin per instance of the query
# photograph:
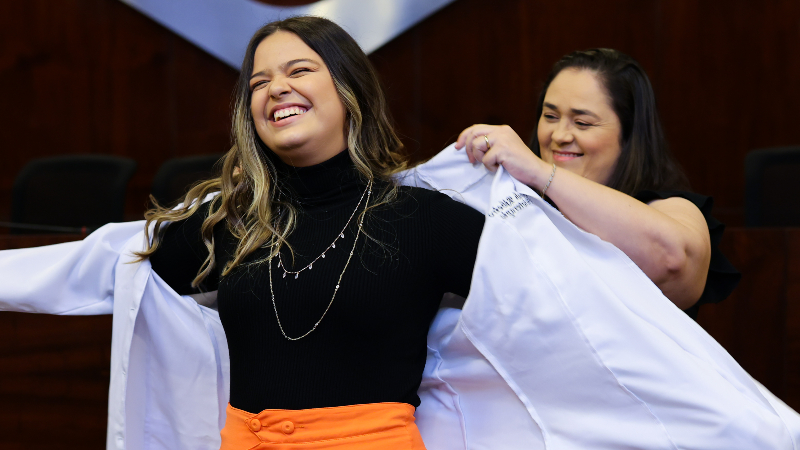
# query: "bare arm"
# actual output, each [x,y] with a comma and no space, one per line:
[668,239]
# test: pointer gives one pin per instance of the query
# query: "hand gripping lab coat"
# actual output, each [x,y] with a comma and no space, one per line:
[563,342]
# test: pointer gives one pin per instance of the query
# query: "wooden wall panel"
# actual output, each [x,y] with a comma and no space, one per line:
[95,76]
[471,63]
[728,81]
[54,370]
[724,73]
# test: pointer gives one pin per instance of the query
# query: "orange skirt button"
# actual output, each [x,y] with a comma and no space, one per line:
[287,427]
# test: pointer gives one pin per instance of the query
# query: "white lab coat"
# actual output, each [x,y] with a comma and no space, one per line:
[563,342]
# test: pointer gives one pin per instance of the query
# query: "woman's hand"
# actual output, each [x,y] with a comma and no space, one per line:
[500,145]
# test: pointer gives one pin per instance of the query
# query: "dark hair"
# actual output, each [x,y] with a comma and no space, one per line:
[645,161]
[248,199]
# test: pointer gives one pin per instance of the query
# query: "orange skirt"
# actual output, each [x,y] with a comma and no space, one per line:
[374,426]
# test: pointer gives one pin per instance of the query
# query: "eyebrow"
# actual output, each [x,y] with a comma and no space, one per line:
[285,65]
[577,112]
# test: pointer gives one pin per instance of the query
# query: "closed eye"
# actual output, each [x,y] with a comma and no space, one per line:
[258,84]
[550,116]
[300,71]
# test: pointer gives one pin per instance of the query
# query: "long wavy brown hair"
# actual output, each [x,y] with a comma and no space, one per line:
[247,197]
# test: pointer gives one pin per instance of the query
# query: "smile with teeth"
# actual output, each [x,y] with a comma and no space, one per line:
[288,112]
[567,154]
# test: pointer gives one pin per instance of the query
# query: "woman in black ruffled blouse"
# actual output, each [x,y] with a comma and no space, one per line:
[600,156]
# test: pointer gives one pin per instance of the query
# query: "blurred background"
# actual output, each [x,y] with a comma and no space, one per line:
[101,78]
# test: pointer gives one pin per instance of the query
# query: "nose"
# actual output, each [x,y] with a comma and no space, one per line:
[279,87]
[563,133]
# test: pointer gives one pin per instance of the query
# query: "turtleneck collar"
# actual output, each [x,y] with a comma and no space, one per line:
[329,183]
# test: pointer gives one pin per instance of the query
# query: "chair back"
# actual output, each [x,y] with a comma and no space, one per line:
[71,191]
[772,187]
[176,176]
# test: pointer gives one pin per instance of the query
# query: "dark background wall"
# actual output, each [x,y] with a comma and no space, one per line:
[726,74]
[94,76]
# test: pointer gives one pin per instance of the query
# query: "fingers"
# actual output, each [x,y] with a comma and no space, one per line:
[469,134]
[486,152]
[478,146]
[473,142]
[493,145]
[490,160]
[463,137]
[475,146]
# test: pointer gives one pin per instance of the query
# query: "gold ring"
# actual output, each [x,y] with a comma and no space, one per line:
[485,138]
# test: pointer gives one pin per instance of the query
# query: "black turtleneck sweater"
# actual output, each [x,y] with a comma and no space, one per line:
[370,346]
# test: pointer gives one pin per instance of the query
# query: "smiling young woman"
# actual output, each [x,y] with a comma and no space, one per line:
[601,157]
[327,273]
[296,109]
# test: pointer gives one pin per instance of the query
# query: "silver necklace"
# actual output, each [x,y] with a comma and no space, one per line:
[310,265]
[368,193]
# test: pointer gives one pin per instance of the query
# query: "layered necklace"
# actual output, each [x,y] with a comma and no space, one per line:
[367,193]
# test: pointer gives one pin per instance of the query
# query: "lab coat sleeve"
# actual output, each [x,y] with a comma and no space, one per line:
[74,278]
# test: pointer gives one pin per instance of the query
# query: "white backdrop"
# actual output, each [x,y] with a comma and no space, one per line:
[223,27]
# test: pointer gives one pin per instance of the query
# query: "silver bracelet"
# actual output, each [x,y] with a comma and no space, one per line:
[552,174]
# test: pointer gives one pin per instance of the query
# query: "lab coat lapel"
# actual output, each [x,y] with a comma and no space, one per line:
[169,365]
